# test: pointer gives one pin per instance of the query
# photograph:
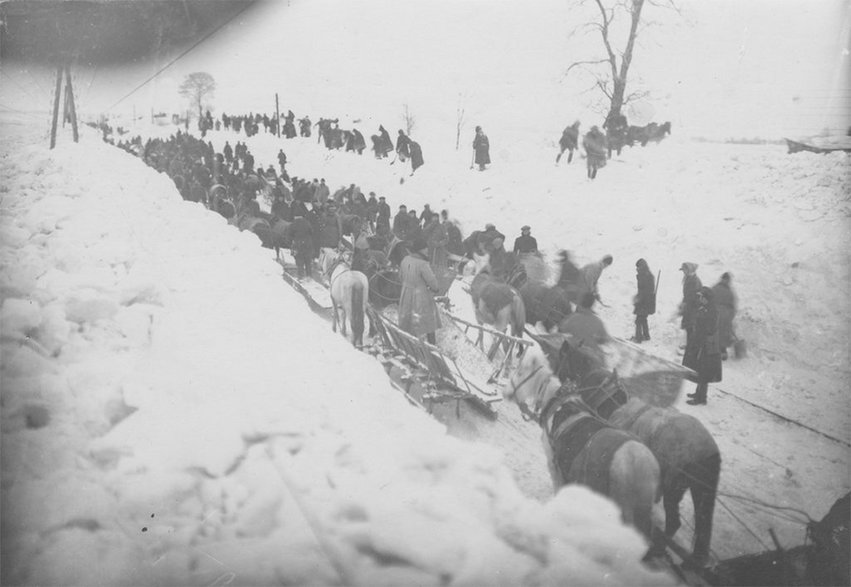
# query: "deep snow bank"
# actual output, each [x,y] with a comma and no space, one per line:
[173,414]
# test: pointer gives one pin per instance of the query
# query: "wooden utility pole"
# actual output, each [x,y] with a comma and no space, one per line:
[72,107]
[69,111]
[56,106]
[277,116]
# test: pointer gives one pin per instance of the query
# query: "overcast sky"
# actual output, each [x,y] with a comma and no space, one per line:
[728,67]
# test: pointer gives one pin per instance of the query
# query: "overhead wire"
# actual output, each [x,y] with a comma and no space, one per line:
[173,61]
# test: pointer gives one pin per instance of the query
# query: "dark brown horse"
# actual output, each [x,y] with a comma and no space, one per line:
[583,449]
[685,449]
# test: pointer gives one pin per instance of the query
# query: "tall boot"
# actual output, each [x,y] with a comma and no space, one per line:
[699,396]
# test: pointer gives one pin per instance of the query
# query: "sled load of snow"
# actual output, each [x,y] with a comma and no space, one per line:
[820,144]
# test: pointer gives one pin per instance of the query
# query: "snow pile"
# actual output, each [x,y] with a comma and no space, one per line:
[173,414]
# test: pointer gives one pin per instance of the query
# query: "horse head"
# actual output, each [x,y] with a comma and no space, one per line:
[481,263]
[568,359]
[531,383]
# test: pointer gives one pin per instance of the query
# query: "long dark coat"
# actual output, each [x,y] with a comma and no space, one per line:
[416,156]
[645,299]
[301,234]
[703,354]
[482,147]
[689,305]
[417,310]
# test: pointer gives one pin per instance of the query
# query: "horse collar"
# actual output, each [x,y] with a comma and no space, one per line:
[559,400]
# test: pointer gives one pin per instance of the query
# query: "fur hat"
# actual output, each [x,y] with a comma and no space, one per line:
[525,228]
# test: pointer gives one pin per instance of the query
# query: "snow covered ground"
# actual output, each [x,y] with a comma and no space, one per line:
[172,413]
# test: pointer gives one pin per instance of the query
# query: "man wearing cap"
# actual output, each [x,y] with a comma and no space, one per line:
[689,306]
[591,275]
[525,243]
[417,309]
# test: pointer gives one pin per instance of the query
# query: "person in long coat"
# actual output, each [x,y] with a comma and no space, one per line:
[703,353]
[481,146]
[726,302]
[437,240]
[644,302]
[300,233]
[689,305]
[596,153]
[403,146]
[416,156]
[418,313]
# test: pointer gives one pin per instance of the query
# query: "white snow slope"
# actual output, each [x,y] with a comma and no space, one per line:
[172,413]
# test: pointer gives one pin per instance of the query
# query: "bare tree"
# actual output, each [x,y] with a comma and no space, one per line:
[459,120]
[610,71]
[409,118]
[197,88]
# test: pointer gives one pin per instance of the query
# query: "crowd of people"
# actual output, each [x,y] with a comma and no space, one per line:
[306,217]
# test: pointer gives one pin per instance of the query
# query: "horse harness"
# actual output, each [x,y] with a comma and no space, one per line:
[609,396]
[583,445]
[330,272]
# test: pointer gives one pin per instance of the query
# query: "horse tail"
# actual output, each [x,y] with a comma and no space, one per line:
[634,484]
[357,313]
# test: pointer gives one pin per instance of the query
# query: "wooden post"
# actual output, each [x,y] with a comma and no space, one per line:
[73,109]
[56,106]
[277,116]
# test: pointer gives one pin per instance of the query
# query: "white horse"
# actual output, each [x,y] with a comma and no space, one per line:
[581,448]
[349,293]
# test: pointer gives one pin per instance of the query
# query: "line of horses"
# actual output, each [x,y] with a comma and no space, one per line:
[589,423]
[616,138]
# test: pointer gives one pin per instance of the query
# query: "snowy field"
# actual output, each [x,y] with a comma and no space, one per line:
[173,413]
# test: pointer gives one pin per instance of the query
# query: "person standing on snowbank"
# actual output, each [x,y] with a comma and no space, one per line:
[726,302]
[481,146]
[703,353]
[645,300]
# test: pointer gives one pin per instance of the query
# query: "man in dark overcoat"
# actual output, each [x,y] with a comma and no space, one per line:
[703,353]
[644,303]
[481,146]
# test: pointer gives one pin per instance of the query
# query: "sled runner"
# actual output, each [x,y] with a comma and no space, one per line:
[316,293]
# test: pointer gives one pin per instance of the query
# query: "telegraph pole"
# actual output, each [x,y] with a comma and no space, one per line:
[70,96]
[56,106]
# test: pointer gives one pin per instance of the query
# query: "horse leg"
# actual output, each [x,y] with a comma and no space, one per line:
[333,316]
[703,492]
[558,157]
[673,494]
